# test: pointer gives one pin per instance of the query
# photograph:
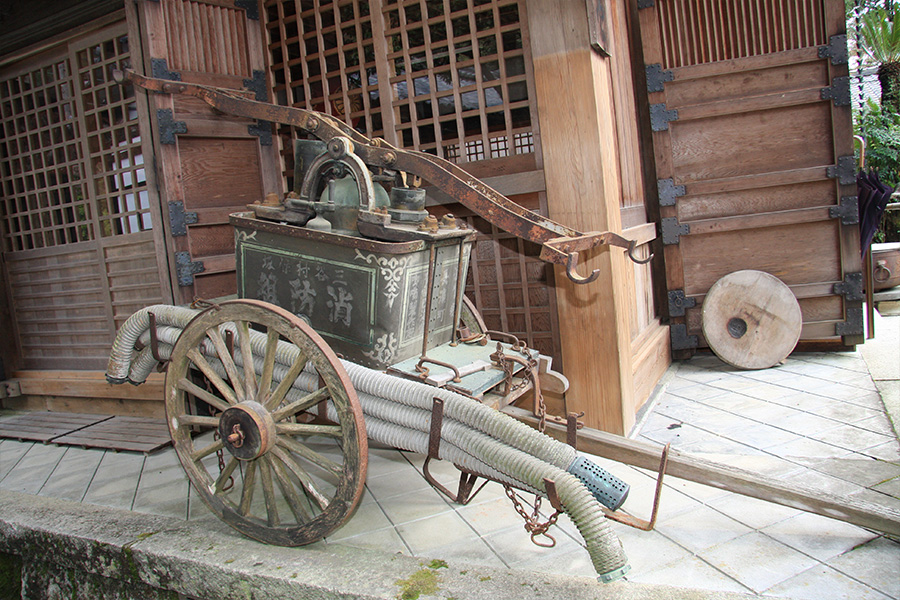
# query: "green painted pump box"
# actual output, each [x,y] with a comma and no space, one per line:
[367,298]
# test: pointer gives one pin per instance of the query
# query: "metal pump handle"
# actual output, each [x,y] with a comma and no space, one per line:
[561,244]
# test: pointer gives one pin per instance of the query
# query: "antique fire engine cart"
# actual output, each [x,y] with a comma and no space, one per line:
[348,327]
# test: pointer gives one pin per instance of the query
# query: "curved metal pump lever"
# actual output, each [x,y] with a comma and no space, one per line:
[561,244]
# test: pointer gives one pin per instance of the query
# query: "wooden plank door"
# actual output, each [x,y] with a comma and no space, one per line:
[209,164]
[750,112]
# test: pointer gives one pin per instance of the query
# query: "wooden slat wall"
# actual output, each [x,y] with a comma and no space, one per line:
[60,307]
[134,275]
[701,31]
[223,28]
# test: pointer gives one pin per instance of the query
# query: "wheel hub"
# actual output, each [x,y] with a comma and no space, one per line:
[247,430]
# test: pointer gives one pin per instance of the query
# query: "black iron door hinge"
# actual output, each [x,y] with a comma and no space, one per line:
[645,4]
[844,171]
[847,211]
[852,287]
[257,85]
[168,126]
[668,191]
[853,325]
[263,129]
[678,303]
[680,338]
[179,220]
[657,77]
[660,117]
[838,92]
[672,230]
[836,50]
[159,68]
[250,6]
[185,268]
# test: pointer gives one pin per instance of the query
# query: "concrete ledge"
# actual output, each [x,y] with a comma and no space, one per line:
[67,549]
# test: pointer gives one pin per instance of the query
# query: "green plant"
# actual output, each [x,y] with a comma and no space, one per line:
[879,35]
[881,130]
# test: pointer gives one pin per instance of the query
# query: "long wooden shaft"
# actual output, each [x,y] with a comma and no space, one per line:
[646,456]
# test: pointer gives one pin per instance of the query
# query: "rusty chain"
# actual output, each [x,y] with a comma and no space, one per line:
[220,453]
[533,524]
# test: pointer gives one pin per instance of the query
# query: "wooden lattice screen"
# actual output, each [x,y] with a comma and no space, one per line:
[72,164]
[45,200]
[448,77]
[702,31]
[75,213]
[456,73]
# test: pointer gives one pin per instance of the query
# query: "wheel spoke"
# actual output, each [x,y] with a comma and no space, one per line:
[247,491]
[307,429]
[301,404]
[310,455]
[225,474]
[211,374]
[203,453]
[268,486]
[304,477]
[290,492]
[190,387]
[198,420]
[265,378]
[284,386]
[243,329]
[227,361]
[278,395]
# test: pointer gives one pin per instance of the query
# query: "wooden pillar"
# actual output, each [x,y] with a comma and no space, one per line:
[581,168]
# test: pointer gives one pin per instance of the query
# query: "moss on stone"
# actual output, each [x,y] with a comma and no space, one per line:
[10,577]
[423,581]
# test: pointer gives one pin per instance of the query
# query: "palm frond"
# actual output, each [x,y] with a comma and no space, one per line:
[880,36]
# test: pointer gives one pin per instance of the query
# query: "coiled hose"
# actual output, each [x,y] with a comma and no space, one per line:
[398,412]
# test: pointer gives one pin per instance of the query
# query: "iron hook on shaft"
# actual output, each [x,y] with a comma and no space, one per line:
[632,246]
[571,273]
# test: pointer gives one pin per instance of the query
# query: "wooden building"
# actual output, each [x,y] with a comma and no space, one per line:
[113,200]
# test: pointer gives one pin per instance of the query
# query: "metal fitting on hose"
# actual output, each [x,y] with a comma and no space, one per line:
[609,490]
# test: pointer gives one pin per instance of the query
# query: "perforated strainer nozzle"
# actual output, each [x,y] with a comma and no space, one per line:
[609,490]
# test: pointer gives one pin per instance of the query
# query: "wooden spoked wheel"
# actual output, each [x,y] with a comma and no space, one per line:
[248,436]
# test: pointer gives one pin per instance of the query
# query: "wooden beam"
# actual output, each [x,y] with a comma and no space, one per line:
[87,384]
[646,456]
[576,114]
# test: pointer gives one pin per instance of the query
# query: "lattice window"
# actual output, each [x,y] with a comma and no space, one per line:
[113,135]
[512,287]
[323,58]
[72,167]
[458,74]
[45,199]
[457,71]
[694,32]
